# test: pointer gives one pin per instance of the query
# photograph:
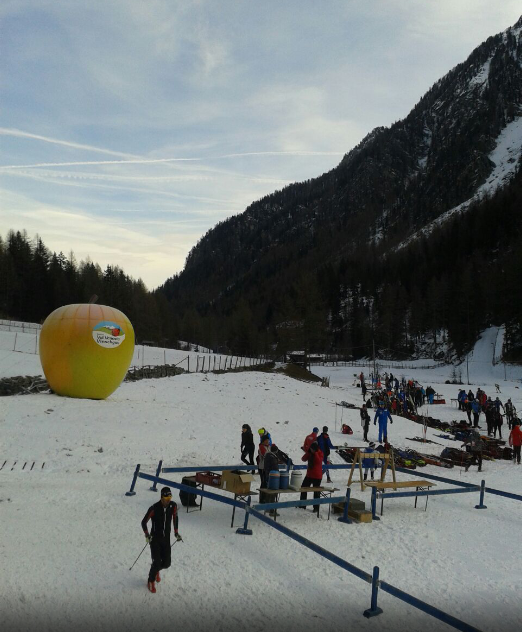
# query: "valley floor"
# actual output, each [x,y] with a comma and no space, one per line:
[69,534]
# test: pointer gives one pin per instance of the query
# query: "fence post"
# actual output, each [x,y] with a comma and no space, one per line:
[344,518]
[481,504]
[154,488]
[374,610]
[188,364]
[131,491]
[374,504]
[244,530]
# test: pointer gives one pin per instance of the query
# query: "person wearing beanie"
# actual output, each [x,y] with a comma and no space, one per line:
[314,471]
[162,515]
[370,463]
[325,445]
[262,432]
[309,439]
[247,445]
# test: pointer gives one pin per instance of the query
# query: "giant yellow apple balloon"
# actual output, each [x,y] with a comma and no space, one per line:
[86,350]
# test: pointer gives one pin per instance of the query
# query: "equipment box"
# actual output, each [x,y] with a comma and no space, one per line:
[209,478]
[236,481]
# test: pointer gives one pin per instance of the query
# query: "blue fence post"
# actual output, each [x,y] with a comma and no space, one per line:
[131,491]
[344,517]
[154,488]
[374,504]
[374,610]
[481,504]
[244,530]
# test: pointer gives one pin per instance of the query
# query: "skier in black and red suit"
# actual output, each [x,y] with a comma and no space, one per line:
[162,514]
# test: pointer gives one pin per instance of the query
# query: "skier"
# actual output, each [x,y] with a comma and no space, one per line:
[247,445]
[309,439]
[161,515]
[382,414]
[325,445]
[515,441]
[314,471]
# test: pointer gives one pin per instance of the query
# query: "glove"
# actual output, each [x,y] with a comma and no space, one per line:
[391,421]
[374,423]
[148,538]
[179,538]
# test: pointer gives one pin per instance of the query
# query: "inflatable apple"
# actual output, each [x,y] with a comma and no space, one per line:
[86,350]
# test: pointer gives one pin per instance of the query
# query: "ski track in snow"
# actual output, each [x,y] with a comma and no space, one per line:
[69,534]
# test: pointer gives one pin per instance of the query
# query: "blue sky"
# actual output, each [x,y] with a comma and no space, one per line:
[129,128]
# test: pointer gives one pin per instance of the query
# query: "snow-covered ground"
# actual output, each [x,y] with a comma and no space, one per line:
[68,533]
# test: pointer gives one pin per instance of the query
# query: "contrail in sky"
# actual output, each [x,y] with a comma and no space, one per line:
[4,131]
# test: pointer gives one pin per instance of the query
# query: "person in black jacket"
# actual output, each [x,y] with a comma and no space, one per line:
[247,445]
[162,514]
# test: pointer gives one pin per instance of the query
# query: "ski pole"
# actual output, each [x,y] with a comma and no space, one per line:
[175,542]
[138,556]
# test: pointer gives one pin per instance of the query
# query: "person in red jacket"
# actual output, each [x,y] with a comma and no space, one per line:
[309,439]
[314,471]
[515,441]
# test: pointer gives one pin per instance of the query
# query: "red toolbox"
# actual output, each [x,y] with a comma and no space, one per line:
[208,478]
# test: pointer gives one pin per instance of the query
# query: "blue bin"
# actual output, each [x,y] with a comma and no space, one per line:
[273,480]
[284,480]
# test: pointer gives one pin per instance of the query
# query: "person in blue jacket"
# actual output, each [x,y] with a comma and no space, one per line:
[382,414]
[325,445]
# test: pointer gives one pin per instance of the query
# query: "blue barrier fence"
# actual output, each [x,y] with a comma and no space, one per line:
[351,568]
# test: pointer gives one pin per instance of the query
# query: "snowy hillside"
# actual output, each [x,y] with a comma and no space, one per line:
[69,534]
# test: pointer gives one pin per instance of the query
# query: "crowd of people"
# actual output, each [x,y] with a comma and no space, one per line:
[399,396]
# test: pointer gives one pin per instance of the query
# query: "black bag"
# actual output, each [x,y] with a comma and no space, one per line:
[188,500]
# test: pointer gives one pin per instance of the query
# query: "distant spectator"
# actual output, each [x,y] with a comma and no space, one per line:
[497,423]
[430,394]
[474,446]
[365,421]
[382,415]
[475,407]
[247,445]
[515,441]
[510,412]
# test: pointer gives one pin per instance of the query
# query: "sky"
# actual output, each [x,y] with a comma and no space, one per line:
[129,128]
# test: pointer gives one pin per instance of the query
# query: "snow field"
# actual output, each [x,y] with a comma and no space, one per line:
[69,533]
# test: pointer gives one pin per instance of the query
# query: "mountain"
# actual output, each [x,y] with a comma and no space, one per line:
[314,259]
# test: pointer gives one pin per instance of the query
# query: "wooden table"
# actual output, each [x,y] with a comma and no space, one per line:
[382,486]
[198,485]
[324,492]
